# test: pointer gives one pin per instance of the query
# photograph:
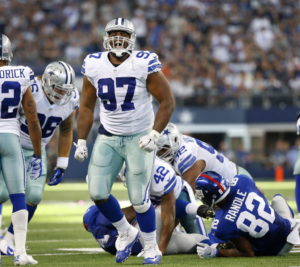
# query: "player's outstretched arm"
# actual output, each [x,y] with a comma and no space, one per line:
[85,118]
[192,173]
[242,248]
[167,220]
[64,146]
[34,127]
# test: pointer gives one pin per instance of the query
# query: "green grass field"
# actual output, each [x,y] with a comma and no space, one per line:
[56,236]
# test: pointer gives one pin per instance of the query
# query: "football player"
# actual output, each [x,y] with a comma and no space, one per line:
[168,190]
[124,81]
[106,234]
[244,220]
[190,156]
[56,100]
[15,90]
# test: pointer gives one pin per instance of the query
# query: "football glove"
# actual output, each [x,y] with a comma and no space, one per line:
[205,211]
[35,167]
[298,126]
[57,176]
[148,142]
[81,152]
[207,250]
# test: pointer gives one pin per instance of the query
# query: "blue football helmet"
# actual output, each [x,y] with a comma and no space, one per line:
[5,48]
[211,188]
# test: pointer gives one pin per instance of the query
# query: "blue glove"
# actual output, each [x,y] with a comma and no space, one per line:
[35,167]
[56,177]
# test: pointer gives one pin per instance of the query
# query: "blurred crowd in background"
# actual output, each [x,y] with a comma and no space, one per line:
[215,53]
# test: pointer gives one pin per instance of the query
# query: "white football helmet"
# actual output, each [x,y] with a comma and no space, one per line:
[5,48]
[169,142]
[58,82]
[119,44]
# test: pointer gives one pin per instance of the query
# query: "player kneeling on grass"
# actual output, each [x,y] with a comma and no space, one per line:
[106,234]
[245,222]
[56,99]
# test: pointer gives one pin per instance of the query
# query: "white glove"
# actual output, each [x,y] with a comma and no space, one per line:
[207,251]
[81,152]
[298,126]
[35,167]
[148,142]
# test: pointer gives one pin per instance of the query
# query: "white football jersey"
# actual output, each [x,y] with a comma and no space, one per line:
[192,150]
[163,180]
[50,115]
[14,81]
[125,103]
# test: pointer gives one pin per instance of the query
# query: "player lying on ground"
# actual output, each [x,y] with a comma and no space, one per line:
[106,234]
[244,220]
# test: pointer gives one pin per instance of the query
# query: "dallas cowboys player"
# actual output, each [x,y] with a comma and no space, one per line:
[56,99]
[124,80]
[106,234]
[15,88]
[166,188]
[245,219]
[190,156]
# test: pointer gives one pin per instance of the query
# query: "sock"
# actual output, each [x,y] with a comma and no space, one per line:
[297,191]
[20,222]
[9,238]
[121,225]
[149,238]
[146,220]
[18,201]
[111,209]
[31,211]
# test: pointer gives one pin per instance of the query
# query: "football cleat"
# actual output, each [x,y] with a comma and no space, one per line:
[5,249]
[152,255]
[24,259]
[125,242]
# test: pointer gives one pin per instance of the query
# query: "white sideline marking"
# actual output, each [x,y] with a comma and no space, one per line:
[59,240]
[83,250]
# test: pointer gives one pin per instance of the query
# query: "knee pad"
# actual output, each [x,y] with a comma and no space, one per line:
[142,208]
[280,205]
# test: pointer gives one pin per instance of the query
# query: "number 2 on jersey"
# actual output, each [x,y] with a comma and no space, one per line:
[10,104]
[106,91]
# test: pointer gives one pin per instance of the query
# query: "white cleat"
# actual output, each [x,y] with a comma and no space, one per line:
[152,255]
[5,248]
[24,259]
[125,242]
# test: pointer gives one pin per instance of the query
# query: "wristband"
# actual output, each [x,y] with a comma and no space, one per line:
[81,142]
[62,162]
[155,133]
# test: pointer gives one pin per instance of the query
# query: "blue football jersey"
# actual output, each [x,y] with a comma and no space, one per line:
[103,231]
[247,213]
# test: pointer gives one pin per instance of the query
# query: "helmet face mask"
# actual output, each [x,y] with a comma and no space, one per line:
[58,82]
[119,37]
[168,143]
[5,48]
[211,188]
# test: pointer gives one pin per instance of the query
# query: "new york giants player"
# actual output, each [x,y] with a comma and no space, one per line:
[166,190]
[245,218]
[15,90]
[106,234]
[57,100]
[190,156]
[124,81]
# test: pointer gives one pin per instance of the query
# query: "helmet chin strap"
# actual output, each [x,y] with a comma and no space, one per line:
[121,53]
